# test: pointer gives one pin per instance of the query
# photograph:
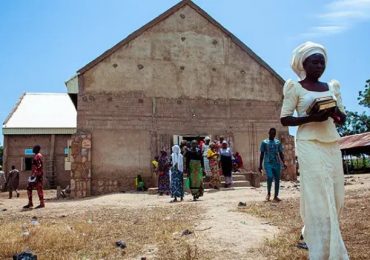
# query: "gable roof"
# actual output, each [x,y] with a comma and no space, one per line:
[162,17]
[42,113]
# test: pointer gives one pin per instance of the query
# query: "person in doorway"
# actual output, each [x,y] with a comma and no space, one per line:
[226,161]
[194,168]
[271,157]
[319,155]
[205,148]
[213,158]
[177,178]
[163,174]
[12,182]
[35,181]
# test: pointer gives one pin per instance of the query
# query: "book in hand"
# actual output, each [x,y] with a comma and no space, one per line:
[321,104]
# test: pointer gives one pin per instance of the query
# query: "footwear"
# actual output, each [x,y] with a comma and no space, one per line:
[28,206]
[268,197]
[40,206]
[302,245]
[276,199]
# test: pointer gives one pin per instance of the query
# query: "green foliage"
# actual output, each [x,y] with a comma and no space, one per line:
[364,96]
[355,124]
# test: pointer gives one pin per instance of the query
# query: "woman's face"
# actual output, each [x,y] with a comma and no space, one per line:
[314,66]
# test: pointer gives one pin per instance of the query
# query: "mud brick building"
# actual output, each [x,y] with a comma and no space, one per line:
[46,119]
[181,75]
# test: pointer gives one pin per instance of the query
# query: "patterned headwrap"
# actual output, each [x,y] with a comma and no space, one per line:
[302,52]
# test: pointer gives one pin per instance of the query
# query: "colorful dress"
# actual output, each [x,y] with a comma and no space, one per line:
[37,170]
[163,175]
[194,166]
[177,183]
[226,164]
[215,180]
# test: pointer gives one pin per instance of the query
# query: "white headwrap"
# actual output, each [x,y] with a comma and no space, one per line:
[302,52]
[177,158]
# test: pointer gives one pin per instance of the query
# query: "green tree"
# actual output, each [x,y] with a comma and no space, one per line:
[364,96]
[355,124]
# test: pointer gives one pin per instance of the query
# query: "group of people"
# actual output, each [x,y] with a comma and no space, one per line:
[196,159]
[35,181]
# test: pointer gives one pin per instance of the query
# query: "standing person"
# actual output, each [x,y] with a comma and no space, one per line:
[239,161]
[226,161]
[213,157]
[177,169]
[271,149]
[12,182]
[36,178]
[194,168]
[205,148]
[2,179]
[319,156]
[163,174]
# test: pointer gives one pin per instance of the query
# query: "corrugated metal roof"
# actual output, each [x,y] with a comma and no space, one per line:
[352,141]
[42,111]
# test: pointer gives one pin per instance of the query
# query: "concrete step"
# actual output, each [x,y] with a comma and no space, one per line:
[243,183]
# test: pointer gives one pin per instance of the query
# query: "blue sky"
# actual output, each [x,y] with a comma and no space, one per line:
[43,43]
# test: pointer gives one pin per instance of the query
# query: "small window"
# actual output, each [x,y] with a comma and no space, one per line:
[28,163]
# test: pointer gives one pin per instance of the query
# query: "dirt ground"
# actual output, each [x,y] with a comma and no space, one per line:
[152,228]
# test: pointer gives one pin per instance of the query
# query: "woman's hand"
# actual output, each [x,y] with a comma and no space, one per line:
[319,117]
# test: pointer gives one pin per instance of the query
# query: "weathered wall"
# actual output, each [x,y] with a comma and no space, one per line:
[182,76]
[16,144]
[121,155]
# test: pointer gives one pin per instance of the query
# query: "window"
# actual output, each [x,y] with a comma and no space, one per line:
[28,163]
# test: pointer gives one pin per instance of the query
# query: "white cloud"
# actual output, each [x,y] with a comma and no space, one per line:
[339,16]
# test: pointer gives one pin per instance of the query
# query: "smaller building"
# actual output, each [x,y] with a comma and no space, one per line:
[356,153]
[46,119]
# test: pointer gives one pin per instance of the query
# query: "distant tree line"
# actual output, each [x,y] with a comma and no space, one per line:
[357,123]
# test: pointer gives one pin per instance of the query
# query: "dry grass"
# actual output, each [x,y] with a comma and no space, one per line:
[150,232]
[355,226]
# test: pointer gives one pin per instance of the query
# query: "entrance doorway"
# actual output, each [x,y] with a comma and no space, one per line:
[178,138]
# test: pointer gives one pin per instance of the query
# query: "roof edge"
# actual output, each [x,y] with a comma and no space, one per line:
[39,131]
[14,108]
[133,35]
[163,16]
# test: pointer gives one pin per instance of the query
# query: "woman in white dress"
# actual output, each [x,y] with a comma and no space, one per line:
[319,156]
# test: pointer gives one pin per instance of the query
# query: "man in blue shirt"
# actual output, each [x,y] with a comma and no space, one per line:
[272,156]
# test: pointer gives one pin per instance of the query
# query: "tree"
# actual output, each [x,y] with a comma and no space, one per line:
[364,96]
[355,124]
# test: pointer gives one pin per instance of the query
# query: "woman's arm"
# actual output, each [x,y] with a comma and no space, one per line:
[295,121]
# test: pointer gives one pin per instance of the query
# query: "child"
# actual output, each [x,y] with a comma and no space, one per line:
[139,183]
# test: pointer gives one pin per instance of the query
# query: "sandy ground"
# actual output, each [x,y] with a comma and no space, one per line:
[220,230]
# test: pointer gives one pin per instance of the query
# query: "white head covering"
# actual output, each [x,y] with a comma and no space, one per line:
[177,157]
[207,138]
[302,52]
